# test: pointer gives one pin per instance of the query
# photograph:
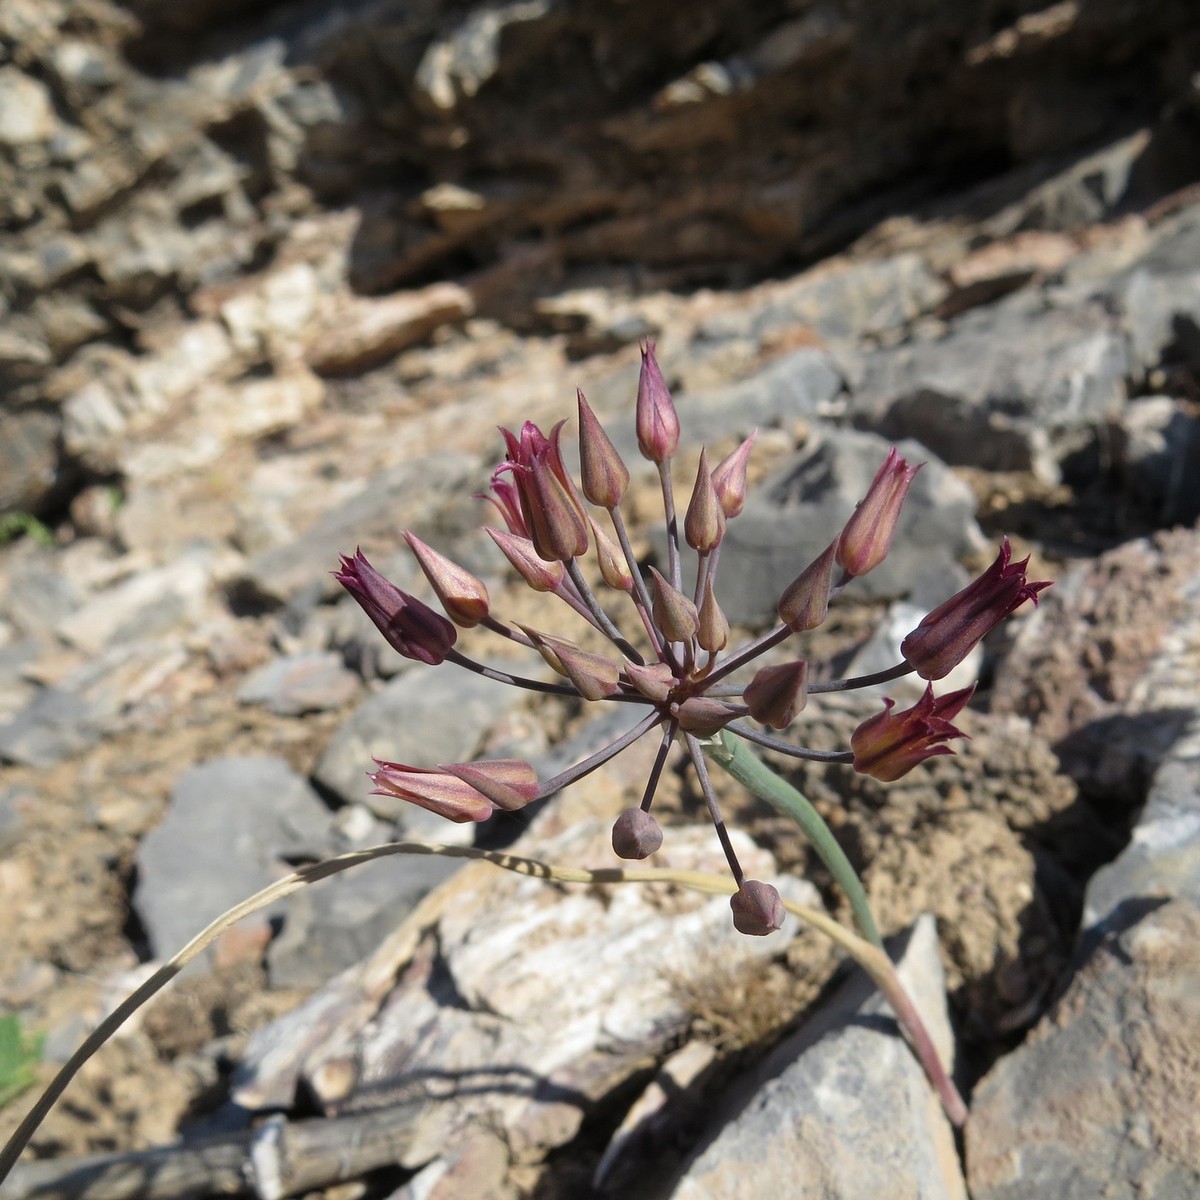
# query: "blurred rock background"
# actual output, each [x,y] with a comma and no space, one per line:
[271,274]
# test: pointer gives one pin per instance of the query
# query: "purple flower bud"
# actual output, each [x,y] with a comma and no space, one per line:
[714,628]
[636,834]
[757,908]
[464,597]
[949,633]
[509,783]
[805,602]
[437,791]
[729,478]
[550,506]
[703,715]
[888,745]
[776,694]
[541,575]
[674,614]
[410,626]
[603,474]
[867,536]
[657,421]
[704,522]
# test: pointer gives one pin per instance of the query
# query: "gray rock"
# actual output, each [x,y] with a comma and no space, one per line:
[794,516]
[1160,297]
[1163,856]
[38,597]
[424,717]
[841,1109]
[28,458]
[417,489]
[327,930]
[228,826]
[15,802]
[1101,1099]
[846,303]
[1012,387]
[801,385]
[53,726]
[299,684]
[26,110]
[1156,446]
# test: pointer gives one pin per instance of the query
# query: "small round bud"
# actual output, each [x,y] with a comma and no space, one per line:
[636,834]
[757,908]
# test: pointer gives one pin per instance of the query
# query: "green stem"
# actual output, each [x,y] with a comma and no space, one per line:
[751,772]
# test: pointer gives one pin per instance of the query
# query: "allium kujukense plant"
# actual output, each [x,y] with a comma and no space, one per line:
[675,672]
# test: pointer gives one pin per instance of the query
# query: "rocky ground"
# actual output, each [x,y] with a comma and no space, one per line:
[269,285]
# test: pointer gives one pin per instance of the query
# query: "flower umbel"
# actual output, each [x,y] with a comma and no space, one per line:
[675,668]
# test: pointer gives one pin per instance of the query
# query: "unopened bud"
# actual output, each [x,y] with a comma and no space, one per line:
[509,783]
[614,570]
[594,676]
[603,475]
[541,575]
[636,834]
[757,908]
[805,602]
[657,421]
[703,715]
[654,681]
[729,478]
[409,625]
[868,534]
[674,614]
[776,694]
[464,597]
[713,633]
[704,522]
[949,633]
[439,792]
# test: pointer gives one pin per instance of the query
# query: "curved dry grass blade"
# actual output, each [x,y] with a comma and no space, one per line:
[876,964]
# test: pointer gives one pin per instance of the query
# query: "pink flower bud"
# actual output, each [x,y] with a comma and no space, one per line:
[636,834]
[410,626]
[888,745]
[441,793]
[805,602]
[541,575]
[867,536]
[704,522]
[594,676]
[614,570]
[509,783]
[464,597]
[603,474]
[550,506]
[714,628]
[757,908]
[729,478]
[776,694]
[657,421]
[949,633]
[674,614]
[654,681]
[507,501]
